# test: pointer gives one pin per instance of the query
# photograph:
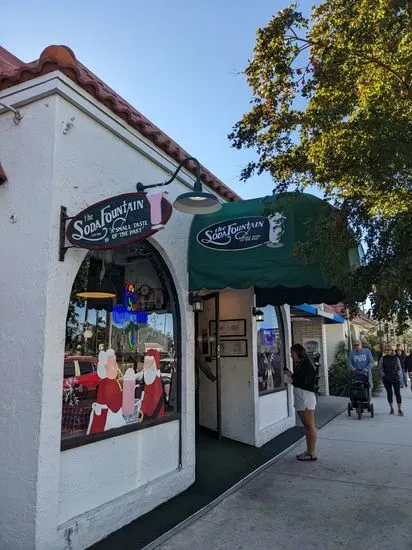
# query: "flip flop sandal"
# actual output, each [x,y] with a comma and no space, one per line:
[305,457]
[400,413]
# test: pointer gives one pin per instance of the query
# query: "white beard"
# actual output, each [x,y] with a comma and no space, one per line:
[149,375]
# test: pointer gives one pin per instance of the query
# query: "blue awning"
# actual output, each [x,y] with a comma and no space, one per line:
[306,310]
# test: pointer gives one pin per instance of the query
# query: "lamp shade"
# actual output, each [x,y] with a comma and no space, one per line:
[197,201]
[98,290]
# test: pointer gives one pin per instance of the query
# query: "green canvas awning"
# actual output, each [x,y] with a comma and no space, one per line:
[242,246]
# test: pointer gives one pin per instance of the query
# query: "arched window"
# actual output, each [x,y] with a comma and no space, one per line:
[122,359]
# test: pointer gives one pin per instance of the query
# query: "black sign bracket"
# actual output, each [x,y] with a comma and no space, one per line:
[62,240]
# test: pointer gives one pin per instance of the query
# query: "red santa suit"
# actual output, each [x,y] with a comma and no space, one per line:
[106,411]
[153,397]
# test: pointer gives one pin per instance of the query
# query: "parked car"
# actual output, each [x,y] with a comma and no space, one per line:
[83,369]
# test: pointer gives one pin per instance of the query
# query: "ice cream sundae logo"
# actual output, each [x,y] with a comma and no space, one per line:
[244,233]
[276,229]
[119,220]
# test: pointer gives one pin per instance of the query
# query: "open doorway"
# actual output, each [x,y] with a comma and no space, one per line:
[208,376]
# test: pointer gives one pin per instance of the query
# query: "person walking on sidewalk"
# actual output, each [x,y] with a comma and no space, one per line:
[391,371]
[303,380]
[360,360]
[408,364]
[402,359]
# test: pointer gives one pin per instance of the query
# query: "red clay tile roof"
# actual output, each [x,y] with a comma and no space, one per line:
[3,177]
[339,309]
[61,58]
[8,61]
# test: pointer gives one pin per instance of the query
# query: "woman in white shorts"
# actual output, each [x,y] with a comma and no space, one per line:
[303,380]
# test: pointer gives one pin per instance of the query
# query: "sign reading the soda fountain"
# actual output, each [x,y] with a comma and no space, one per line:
[243,233]
[119,220]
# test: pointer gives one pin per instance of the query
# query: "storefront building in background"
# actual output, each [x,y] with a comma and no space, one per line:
[91,438]
[322,328]
[98,329]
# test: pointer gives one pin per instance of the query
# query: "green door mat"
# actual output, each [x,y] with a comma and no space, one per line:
[219,466]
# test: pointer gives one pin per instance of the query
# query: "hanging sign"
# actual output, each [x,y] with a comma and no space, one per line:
[119,220]
[243,233]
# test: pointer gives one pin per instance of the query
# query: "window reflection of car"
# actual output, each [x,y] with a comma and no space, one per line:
[83,370]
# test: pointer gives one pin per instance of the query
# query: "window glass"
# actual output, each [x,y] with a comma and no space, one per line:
[86,367]
[69,369]
[125,345]
[270,348]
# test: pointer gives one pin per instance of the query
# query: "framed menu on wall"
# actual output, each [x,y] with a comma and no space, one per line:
[230,348]
[229,328]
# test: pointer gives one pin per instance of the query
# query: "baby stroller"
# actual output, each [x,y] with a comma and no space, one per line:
[360,395]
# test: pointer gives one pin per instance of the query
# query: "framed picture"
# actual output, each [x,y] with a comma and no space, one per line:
[229,328]
[230,348]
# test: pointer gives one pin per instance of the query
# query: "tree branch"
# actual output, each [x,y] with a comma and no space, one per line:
[389,69]
[370,59]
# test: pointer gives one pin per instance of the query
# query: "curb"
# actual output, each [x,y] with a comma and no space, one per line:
[197,515]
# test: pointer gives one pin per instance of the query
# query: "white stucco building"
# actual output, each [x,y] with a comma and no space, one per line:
[77,144]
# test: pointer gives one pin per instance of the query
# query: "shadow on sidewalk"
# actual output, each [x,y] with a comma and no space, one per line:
[219,466]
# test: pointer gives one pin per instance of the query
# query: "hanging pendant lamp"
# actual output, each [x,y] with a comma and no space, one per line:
[194,202]
[99,287]
[197,201]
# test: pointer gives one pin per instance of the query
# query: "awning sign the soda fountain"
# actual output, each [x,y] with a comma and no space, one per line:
[119,220]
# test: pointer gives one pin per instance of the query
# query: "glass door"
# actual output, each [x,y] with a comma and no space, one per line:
[208,334]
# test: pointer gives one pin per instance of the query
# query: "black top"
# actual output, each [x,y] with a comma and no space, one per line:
[390,368]
[402,359]
[304,375]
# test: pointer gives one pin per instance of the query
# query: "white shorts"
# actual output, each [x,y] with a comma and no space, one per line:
[304,400]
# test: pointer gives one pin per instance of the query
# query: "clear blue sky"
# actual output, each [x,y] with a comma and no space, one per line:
[175,61]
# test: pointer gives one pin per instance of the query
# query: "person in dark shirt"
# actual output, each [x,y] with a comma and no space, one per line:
[303,380]
[391,371]
[408,362]
[402,359]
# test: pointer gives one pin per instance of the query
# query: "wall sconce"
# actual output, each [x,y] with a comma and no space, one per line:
[195,202]
[258,315]
[196,302]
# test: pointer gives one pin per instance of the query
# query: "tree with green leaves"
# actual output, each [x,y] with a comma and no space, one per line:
[332,107]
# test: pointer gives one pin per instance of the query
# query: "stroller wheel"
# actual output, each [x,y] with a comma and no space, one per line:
[349,408]
[372,410]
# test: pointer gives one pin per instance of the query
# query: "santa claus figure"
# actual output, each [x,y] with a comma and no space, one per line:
[153,394]
[106,412]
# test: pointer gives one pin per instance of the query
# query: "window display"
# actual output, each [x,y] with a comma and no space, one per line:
[121,365]
[270,346]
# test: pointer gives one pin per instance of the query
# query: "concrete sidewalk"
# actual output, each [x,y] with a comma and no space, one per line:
[357,495]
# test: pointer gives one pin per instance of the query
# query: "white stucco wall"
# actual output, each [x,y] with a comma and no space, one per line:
[27,153]
[335,334]
[72,499]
